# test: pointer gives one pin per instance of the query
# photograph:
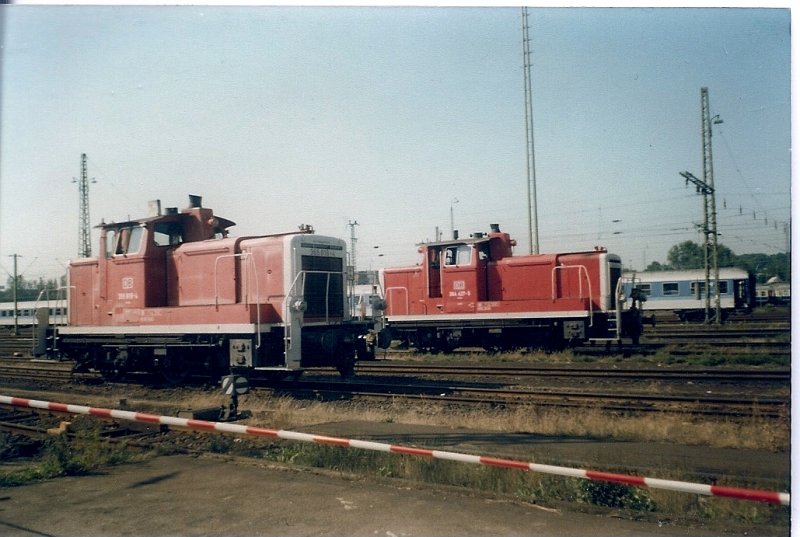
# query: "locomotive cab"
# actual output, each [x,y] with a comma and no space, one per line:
[458,271]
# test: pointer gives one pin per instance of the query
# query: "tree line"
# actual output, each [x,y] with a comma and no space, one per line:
[689,255]
[28,290]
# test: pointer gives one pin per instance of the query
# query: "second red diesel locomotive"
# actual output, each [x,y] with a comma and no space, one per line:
[475,292]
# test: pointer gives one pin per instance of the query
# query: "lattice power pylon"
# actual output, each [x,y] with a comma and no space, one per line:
[84,235]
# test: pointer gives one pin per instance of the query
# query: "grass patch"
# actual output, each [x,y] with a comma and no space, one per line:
[701,357]
[59,455]
[530,487]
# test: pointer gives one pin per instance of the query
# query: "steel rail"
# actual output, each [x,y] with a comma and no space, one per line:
[547,371]
[688,404]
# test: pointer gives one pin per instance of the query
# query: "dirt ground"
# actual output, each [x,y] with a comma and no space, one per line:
[183,495]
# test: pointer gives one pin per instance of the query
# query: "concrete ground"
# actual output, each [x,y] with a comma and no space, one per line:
[184,495]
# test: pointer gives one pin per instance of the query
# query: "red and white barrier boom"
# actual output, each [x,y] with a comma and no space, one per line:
[781,498]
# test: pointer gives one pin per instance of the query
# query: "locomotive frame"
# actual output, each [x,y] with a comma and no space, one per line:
[475,293]
[173,293]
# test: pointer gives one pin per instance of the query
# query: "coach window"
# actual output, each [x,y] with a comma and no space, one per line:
[698,289]
[644,288]
[670,289]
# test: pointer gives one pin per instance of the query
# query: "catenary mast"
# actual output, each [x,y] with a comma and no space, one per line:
[708,178]
[84,236]
[533,218]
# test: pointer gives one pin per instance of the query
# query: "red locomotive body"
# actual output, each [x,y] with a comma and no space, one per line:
[173,293]
[475,292]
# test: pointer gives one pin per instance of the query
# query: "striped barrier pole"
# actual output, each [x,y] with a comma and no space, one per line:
[779,498]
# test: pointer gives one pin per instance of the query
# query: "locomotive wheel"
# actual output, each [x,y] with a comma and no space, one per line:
[113,373]
[172,369]
[115,366]
[346,365]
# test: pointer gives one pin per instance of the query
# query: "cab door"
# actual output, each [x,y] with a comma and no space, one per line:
[463,278]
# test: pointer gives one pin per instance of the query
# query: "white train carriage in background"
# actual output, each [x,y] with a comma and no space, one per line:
[26,312]
[683,291]
[774,291]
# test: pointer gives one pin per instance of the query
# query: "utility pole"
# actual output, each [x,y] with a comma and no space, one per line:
[14,291]
[706,190]
[353,240]
[533,218]
[351,273]
[452,219]
[84,236]
[708,178]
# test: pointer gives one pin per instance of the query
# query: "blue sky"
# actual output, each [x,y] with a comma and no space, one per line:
[279,116]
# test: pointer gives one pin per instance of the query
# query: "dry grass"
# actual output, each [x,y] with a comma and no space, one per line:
[755,433]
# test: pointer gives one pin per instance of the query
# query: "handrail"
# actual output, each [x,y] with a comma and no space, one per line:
[398,288]
[287,306]
[582,270]
[303,293]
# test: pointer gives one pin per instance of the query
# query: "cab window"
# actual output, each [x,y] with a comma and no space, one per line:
[127,240]
[458,255]
[167,234]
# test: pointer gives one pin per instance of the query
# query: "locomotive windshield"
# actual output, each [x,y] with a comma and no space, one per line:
[124,241]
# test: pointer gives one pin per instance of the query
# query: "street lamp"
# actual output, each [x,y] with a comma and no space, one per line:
[452,222]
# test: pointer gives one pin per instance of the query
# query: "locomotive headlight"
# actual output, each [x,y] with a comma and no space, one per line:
[299,305]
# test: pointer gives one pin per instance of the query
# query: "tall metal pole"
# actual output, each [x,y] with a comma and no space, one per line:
[452,219]
[351,273]
[706,190]
[533,219]
[14,291]
[84,237]
[353,240]
[708,178]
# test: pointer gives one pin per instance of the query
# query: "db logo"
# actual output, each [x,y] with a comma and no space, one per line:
[459,285]
[127,282]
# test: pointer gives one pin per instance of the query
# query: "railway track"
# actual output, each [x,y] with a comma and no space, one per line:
[770,408]
[683,374]
[445,392]
[45,370]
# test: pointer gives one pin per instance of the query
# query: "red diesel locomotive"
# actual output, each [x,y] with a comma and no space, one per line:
[173,293]
[475,292]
